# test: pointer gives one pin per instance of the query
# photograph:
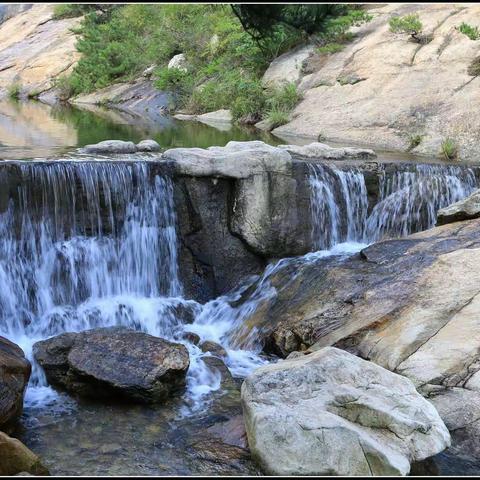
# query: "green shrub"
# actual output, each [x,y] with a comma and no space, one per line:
[330,48]
[14,91]
[117,44]
[277,117]
[409,24]
[473,33]
[449,149]
[283,98]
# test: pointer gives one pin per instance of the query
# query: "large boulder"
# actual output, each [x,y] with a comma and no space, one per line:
[465,209]
[14,375]
[298,412]
[114,362]
[16,458]
[268,202]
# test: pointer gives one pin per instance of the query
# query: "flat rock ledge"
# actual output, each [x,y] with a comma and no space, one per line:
[322,151]
[332,413]
[121,147]
[114,362]
[466,209]
[14,375]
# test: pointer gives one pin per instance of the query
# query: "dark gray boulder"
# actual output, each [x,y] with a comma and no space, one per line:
[114,362]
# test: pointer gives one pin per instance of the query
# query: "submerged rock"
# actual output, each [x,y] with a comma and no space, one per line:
[114,362]
[465,209]
[14,375]
[110,146]
[298,412]
[148,146]
[16,458]
[213,347]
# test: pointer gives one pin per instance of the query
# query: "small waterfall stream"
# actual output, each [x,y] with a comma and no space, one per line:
[89,244]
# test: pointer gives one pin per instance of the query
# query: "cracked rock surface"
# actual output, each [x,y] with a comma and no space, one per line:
[332,413]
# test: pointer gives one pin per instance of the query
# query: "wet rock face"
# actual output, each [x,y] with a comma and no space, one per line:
[298,412]
[114,362]
[14,375]
[16,458]
[465,209]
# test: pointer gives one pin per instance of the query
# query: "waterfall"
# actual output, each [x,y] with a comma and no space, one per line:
[339,205]
[408,201]
[90,244]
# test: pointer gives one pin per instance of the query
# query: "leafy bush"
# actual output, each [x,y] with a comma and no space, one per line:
[449,149]
[473,33]
[277,117]
[280,102]
[409,24]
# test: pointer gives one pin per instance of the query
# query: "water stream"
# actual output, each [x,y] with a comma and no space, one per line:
[89,244]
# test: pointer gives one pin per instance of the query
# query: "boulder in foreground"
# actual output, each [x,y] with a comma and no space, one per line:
[332,413]
[16,458]
[114,362]
[14,375]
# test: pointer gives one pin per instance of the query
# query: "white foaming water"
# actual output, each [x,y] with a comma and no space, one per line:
[408,202]
[91,244]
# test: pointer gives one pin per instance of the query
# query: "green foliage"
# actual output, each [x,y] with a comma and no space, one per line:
[14,91]
[410,24]
[225,62]
[330,48]
[277,117]
[449,149]
[280,102]
[473,33]
[71,10]
[335,29]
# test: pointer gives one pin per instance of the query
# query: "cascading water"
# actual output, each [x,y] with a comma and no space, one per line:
[339,205]
[89,244]
[85,245]
[408,202]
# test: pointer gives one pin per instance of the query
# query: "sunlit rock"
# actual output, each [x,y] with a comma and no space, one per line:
[332,413]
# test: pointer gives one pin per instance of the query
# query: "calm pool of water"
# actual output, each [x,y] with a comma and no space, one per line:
[32,129]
